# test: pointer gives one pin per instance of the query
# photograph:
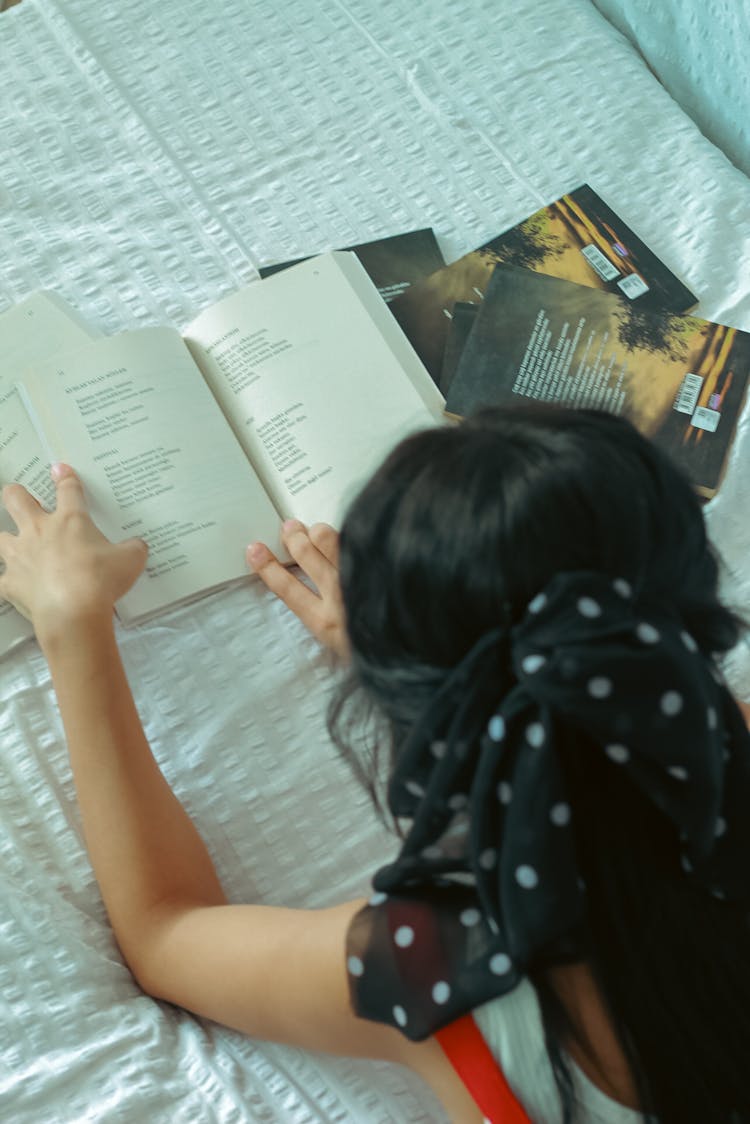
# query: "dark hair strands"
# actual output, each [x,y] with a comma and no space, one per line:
[455,533]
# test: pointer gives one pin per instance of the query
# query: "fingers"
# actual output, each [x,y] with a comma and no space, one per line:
[20,504]
[22,507]
[308,555]
[131,556]
[137,548]
[296,596]
[323,536]
[315,551]
[70,494]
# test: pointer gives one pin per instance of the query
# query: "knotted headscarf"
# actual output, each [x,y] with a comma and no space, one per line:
[487,880]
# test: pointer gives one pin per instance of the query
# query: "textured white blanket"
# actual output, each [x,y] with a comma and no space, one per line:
[151,156]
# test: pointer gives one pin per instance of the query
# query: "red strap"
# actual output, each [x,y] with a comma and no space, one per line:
[468,1053]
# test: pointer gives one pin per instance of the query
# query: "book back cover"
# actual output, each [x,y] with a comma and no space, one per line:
[578,238]
[681,380]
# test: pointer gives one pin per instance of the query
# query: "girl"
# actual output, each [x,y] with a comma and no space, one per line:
[528,606]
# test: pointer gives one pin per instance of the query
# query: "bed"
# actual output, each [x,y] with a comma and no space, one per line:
[153,156]
[698,53]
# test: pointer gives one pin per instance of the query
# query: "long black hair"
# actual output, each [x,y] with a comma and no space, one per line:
[454,534]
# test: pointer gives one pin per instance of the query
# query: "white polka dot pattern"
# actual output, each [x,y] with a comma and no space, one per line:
[488,858]
[527,877]
[600,687]
[646,633]
[504,792]
[617,753]
[441,992]
[671,703]
[689,642]
[560,814]
[496,728]
[535,735]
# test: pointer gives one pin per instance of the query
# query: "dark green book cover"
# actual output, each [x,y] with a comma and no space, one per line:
[681,380]
[463,315]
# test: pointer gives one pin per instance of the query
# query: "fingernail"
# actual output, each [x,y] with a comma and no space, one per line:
[57,470]
[256,554]
[290,525]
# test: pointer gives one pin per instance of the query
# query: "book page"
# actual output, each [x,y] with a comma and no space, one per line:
[317,380]
[133,415]
[31,332]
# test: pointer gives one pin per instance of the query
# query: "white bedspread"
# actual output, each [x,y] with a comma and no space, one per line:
[151,156]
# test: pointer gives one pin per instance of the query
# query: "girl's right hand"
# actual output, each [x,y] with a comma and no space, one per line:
[59,568]
[316,551]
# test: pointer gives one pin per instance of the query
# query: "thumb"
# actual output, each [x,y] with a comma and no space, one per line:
[70,494]
[60,470]
[129,563]
[133,554]
[136,548]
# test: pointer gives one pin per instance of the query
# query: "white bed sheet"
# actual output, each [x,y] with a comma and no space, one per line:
[152,155]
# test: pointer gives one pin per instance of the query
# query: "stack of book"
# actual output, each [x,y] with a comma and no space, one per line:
[571,307]
[279,400]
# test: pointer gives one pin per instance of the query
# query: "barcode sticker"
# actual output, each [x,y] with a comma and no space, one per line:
[603,266]
[687,395]
[703,418]
[633,285]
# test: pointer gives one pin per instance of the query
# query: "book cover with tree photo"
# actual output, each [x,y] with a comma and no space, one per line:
[577,238]
[680,379]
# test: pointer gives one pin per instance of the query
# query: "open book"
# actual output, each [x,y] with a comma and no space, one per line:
[277,402]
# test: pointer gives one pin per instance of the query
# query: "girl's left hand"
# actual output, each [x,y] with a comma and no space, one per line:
[60,568]
[316,552]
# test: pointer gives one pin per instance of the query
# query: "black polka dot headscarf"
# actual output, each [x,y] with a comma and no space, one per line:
[487,878]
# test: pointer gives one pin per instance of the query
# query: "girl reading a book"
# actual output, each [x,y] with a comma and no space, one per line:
[528,607]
